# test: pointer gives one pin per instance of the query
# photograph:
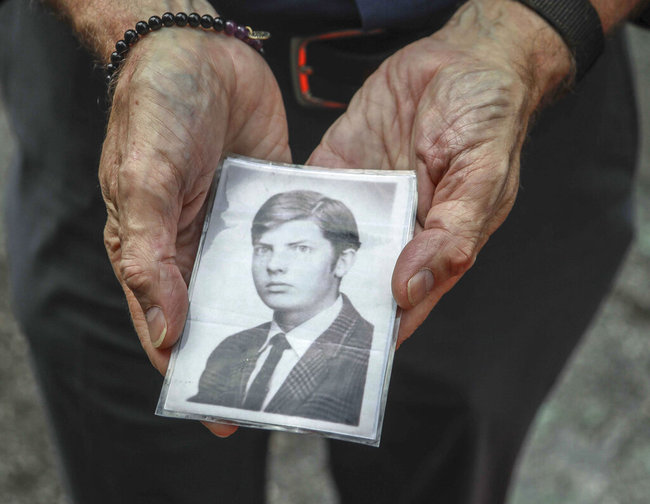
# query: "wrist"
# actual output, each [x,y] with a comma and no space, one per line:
[100,23]
[205,23]
[178,62]
[511,35]
[543,56]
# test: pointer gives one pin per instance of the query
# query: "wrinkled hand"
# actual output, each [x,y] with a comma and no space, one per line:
[454,107]
[184,97]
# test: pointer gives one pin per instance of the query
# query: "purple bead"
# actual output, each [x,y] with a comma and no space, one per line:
[255,44]
[230,27]
[241,32]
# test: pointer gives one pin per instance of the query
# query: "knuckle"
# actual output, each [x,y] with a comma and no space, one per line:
[456,252]
[109,165]
[158,185]
[111,238]
[135,276]
[461,256]
[131,178]
[108,187]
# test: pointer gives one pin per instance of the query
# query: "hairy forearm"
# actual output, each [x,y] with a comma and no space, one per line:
[509,30]
[612,13]
[508,33]
[100,23]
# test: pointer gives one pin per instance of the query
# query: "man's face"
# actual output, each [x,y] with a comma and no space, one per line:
[293,268]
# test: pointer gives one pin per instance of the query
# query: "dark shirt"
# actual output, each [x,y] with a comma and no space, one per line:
[369,13]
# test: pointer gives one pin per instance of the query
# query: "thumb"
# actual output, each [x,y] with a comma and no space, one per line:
[147,264]
[430,265]
[156,290]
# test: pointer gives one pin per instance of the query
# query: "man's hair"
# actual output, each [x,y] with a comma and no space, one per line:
[334,219]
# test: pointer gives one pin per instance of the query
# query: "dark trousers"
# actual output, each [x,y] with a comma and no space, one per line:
[464,388]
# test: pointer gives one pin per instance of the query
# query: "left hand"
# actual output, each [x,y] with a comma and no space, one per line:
[455,108]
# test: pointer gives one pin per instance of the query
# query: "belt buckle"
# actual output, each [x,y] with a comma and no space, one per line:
[301,71]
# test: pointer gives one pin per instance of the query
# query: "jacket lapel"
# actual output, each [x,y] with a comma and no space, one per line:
[249,353]
[312,369]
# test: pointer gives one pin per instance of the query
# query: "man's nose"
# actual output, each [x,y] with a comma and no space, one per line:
[278,262]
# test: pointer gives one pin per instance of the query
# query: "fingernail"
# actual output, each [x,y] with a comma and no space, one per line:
[419,286]
[157,325]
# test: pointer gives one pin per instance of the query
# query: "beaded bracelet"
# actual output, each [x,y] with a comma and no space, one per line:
[244,33]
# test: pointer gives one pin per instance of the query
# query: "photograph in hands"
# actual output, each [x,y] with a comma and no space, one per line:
[292,323]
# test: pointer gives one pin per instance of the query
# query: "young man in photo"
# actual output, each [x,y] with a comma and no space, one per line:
[311,359]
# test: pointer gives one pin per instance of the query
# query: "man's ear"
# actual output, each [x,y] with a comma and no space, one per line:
[344,262]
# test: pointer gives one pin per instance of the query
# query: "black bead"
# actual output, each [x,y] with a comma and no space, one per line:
[108,79]
[116,58]
[194,20]
[181,19]
[110,68]
[121,46]
[218,24]
[142,27]
[130,36]
[206,21]
[155,23]
[168,19]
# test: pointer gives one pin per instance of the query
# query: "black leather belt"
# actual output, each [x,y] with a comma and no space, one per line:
[335,67]
[327,69]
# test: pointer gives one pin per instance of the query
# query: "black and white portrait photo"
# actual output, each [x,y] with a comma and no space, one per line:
[291,318]
[311,359]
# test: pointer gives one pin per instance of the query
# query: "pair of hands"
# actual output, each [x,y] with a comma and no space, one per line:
[454,106]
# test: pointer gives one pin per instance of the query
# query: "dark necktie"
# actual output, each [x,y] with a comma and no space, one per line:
[260,386]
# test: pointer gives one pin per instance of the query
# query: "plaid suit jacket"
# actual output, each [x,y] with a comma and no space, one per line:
[327,383]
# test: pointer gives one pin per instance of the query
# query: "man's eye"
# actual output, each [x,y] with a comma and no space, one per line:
[259,250]
[303,249]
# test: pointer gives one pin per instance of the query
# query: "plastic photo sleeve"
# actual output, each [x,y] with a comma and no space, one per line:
[291,323]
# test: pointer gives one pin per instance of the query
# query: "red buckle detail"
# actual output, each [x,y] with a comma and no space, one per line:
[301,71]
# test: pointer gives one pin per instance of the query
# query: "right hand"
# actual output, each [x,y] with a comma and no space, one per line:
[183,99]
[454,107]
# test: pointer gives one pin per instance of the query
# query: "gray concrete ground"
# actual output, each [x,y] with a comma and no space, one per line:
[590,443]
